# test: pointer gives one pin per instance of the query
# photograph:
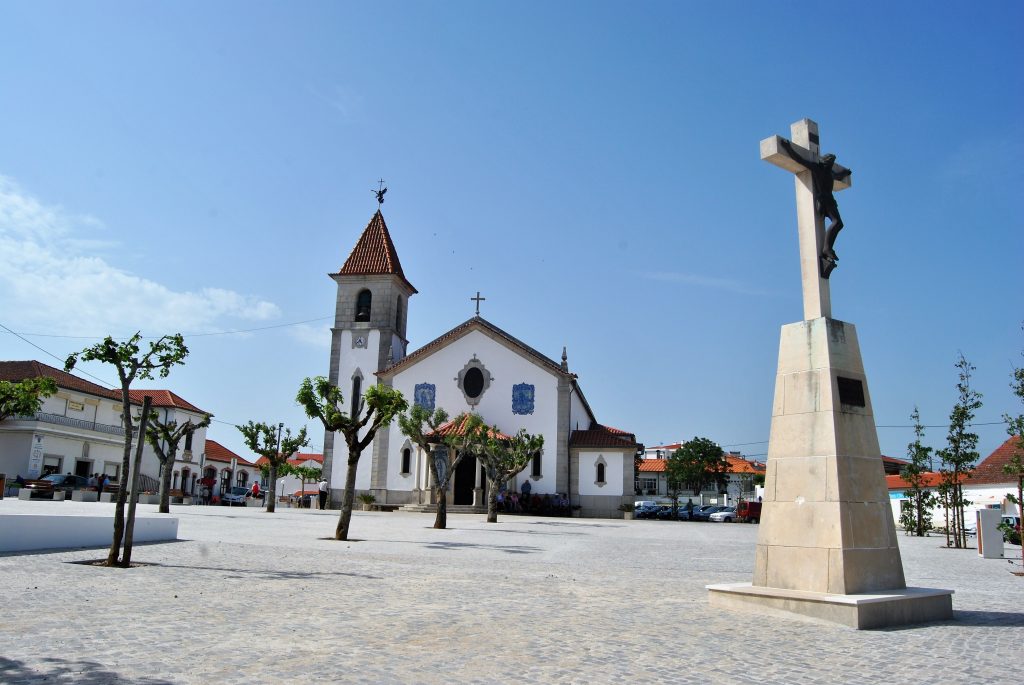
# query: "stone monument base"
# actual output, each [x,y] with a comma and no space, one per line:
[861,611]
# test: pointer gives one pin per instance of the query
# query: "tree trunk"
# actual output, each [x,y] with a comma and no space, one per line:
[271,488]
[122,489]
[341,533]
[945,506]
[441,519]
[1020,516]
[129,529]
[165,487]
[492,501]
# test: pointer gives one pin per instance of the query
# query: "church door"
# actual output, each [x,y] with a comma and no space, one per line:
[464,481]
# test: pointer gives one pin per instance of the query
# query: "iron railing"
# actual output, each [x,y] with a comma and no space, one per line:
[77,423]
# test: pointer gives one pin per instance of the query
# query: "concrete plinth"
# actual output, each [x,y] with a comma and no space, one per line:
[860,611]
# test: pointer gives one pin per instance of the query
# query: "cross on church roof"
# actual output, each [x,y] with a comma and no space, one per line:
[477,299]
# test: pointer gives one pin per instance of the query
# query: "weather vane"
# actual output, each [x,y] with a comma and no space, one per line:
[381,189]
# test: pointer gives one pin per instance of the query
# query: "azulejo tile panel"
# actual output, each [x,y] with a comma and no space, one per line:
[522,398]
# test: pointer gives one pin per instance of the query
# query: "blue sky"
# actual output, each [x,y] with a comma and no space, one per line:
[591,168]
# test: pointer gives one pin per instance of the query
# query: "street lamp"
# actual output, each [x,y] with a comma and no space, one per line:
[280,427]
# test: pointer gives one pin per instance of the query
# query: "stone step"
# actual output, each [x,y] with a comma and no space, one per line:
[452,509]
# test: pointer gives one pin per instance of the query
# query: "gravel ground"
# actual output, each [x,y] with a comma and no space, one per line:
[247,597]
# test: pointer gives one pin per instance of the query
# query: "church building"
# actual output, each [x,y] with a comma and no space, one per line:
[475,367]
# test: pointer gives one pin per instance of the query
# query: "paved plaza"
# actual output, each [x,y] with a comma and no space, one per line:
[250,597]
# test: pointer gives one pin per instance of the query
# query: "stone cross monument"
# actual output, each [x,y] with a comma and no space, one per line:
[827,546]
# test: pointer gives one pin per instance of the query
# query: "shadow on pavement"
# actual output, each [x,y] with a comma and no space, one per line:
[508,549]
[266,574]
[67,671]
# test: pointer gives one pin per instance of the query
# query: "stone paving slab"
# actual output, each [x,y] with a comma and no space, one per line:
[247,597]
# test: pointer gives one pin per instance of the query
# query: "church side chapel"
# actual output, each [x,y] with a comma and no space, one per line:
[475,367]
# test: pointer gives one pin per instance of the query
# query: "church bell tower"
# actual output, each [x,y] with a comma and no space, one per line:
[369,329]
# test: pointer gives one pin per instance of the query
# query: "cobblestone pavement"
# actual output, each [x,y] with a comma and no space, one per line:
[252,597]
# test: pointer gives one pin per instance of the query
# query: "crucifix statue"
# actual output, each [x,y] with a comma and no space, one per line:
[477,299]
[817,177]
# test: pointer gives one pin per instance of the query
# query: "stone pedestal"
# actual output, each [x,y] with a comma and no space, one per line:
[827,544]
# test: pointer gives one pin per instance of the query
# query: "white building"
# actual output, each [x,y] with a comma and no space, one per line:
[78,430]
[475,367]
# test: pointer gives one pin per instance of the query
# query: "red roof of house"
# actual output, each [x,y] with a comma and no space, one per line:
[300,458]
[672,447]
[218,452]
[300,493]
[603,436]
[929,479]
[375,253]
[19,371]
[165,398]
[736,465]
[990,470]
[454,427]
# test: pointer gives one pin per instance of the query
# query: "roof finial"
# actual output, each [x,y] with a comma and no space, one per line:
[565,360]
[478,300]
[381,189]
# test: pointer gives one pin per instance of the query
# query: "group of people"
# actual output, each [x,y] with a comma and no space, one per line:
[512,502]
[98,481]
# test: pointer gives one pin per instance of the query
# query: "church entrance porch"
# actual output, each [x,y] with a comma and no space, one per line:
[469,486]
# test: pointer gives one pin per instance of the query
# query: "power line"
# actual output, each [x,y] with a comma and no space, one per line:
[62,361]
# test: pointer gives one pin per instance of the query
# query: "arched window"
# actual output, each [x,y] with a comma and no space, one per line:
[242,479]
[406,460]
[398,316]
[357,383]
[225,480]
[600,472]
[363,301]
[535,471]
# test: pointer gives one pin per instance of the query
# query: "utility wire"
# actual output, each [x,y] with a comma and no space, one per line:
[187,335]
[86,373]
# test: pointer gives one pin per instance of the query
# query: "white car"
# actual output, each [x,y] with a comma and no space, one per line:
[724,516]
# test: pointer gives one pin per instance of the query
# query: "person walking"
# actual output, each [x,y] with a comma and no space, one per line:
[323,492]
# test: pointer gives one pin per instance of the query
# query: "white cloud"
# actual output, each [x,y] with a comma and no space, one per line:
[53,280]
[728,284]
[314,336]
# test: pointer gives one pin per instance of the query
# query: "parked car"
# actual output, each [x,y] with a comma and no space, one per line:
[234,496]
[748,512]
[646,511]
[1012,522]
[727,515]
[705,512]
[56,481]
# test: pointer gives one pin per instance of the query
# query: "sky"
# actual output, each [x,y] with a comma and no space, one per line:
[591,168]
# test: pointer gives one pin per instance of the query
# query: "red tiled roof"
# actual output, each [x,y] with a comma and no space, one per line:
[672,447]
[300,493]
[458,427]
[375,253]
[164,398]
[476,323]
[929,479]
[218,452]
[736,465]
[990,470]
[19,371]
[602,436]
[300,458]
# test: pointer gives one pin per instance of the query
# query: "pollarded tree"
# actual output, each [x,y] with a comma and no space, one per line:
[419,424]
[463,438]
[305,474]
[961,451]
[277,445]
[697,464]
[131,364]
[164,438]
[1015,466]
[24,398]
[504,456]
[917,517]
[323,400]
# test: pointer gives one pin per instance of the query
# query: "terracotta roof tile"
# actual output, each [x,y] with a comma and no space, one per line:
[454,427]
[652,466]
[928,480]
[603,436]
[218,452]
[375,253]
[19,371]
[990,470]
[165,398]
[736,465]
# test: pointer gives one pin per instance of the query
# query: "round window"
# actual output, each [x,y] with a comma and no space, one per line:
[473,382]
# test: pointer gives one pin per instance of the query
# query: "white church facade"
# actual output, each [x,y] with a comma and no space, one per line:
[475,367]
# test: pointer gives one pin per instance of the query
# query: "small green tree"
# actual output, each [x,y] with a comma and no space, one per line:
[323,401]
[960,453]
[164,439]
[24,398]
[916,510]
[131,364]
[697,464]
[305,474]
[504,457]
[421,427]
[277,445]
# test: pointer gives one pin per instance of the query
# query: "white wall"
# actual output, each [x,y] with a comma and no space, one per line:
[507,368]
[365,360]
[613,473]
